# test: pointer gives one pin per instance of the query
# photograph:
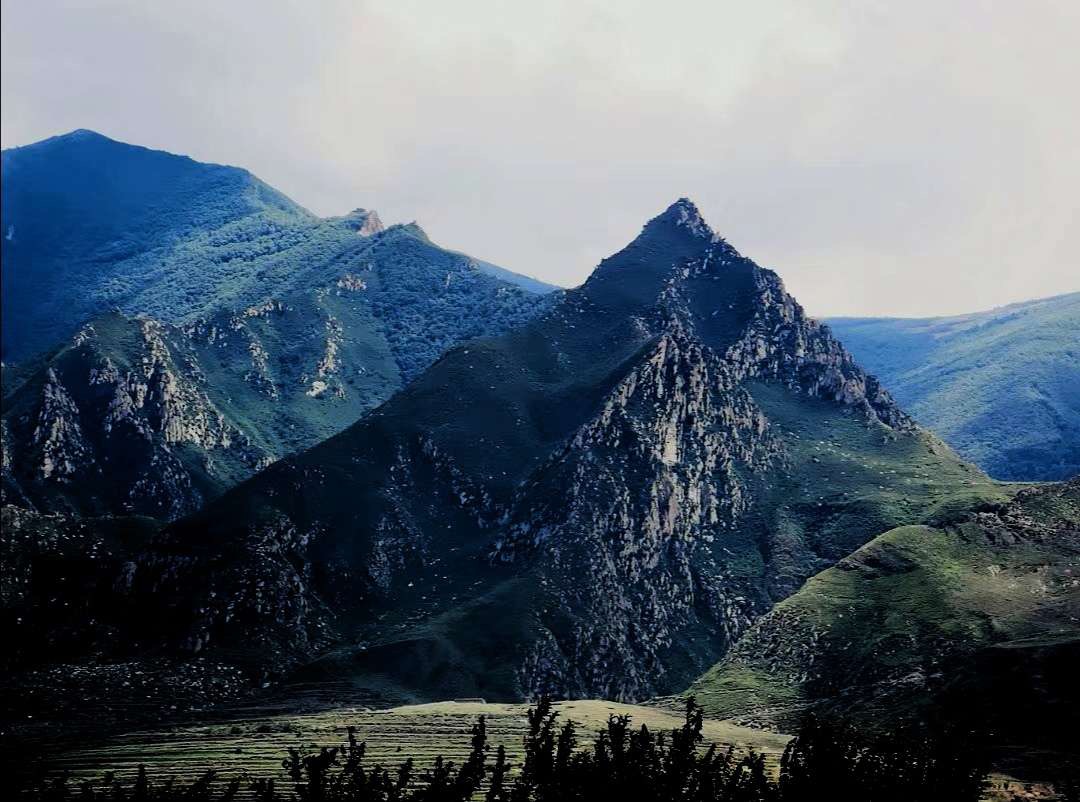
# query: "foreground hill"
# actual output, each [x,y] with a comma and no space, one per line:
[90,224]
[134,415]
[595,504]
[978,618]
[1001,387]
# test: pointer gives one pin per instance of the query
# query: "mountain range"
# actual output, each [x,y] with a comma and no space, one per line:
[971,378]
[91,224]
[243,329]
[247,450]
[598,502]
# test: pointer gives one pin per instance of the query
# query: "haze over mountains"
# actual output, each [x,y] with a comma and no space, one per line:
[325,451]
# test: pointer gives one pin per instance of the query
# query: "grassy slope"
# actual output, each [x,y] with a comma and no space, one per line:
[256,742]
[971,378]
[979,614]
[845,481]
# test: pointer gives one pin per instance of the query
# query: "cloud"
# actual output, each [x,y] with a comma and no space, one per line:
[885,158]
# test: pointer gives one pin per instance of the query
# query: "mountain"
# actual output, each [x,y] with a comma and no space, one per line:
[90,224]
[134,415]
[978,616]
[251,330]
[1001,387]
[596,503]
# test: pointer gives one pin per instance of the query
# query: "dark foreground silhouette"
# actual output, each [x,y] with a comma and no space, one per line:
[826,760]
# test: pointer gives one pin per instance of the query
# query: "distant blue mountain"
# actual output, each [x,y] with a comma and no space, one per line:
[1001,387]
[90,224]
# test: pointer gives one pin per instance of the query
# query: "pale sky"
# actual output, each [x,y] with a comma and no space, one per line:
[902,158]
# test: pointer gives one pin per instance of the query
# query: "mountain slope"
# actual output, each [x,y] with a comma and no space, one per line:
[596,503]
[138,416]
[980,615]
[1001,387]
[87,220]
[90,224]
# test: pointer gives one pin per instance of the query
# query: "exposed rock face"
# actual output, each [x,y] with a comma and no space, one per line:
[626,515]
[106,438]
[782,344]
[603,483]
[364,222]
[639,496]
[58,435]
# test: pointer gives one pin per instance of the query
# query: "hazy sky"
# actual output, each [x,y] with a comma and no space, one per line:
[909,158]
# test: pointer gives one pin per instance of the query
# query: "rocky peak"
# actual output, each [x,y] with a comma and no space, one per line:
[682,276]
[637,277]
[685,214]
[364,222]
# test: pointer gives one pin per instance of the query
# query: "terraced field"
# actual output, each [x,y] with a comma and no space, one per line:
[256,745]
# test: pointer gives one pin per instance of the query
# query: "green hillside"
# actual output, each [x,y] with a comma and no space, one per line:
[976,620]
[91,224]
[87,221]
[1001,387]
[137,416]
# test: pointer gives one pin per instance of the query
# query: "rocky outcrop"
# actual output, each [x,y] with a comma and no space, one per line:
[364,222]
[106,438]
[782,343]
[641,495]
[644,493]
[58,435]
